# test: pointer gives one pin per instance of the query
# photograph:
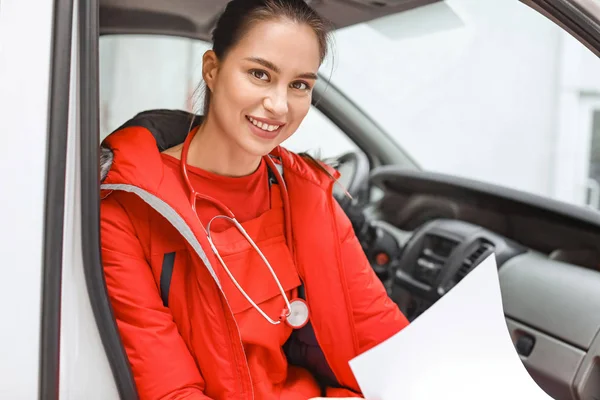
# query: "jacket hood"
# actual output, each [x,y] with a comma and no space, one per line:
[159,129]
[131,154]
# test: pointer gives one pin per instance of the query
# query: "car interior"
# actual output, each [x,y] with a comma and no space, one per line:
[422,232]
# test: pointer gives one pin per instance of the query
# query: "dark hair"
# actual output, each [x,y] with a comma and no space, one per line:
[239,16]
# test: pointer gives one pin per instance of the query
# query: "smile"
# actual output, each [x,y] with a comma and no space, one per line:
[262,125]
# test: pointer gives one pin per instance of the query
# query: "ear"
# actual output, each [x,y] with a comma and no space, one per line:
[210,68]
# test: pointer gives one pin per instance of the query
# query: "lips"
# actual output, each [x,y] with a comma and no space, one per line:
[264,128]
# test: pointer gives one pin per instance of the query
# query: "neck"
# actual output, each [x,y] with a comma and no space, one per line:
[213,151]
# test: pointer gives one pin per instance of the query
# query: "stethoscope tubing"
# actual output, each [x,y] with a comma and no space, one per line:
[194,196]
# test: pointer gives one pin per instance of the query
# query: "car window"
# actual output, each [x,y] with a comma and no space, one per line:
[142,72]
[488,90]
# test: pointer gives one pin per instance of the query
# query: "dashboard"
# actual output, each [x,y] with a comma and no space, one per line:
[427,231]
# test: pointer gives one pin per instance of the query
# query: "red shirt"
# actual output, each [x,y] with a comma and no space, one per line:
[247,196]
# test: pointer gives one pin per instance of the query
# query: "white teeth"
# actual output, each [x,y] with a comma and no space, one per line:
[263,126]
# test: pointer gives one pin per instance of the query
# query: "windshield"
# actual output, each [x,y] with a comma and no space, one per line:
[489,90]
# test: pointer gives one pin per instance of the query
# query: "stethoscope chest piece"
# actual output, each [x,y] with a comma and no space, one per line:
[298,314]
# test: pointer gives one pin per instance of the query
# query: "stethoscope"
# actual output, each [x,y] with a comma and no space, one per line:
[295,312]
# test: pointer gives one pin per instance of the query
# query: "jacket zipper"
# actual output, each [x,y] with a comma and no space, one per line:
[338,250]
[241,345]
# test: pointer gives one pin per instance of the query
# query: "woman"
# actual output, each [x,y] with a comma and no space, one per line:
[202,314]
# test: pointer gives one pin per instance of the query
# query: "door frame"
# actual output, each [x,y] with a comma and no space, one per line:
[58,116]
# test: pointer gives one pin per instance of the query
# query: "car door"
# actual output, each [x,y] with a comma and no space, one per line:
[35,45]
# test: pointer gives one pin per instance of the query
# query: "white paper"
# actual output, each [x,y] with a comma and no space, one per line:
[460,348]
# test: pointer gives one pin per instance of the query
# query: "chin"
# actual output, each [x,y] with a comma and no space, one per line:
[259,146]
[257,149]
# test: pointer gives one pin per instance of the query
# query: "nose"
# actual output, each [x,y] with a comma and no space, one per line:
[276,102]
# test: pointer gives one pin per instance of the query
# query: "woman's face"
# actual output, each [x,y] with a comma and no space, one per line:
[262,89]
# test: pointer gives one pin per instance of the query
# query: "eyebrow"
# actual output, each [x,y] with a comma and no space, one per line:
[273,67]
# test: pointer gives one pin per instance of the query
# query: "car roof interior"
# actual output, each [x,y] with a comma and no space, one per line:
[196,18]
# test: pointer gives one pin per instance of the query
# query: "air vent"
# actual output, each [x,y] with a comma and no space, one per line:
[433,256]
[483,250]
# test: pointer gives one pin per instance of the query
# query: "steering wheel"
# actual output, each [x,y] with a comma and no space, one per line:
[354,169]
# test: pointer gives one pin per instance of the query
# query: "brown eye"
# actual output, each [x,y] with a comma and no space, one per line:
[300,85]
[259,74]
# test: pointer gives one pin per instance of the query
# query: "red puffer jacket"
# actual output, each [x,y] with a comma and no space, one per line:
[192,349]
